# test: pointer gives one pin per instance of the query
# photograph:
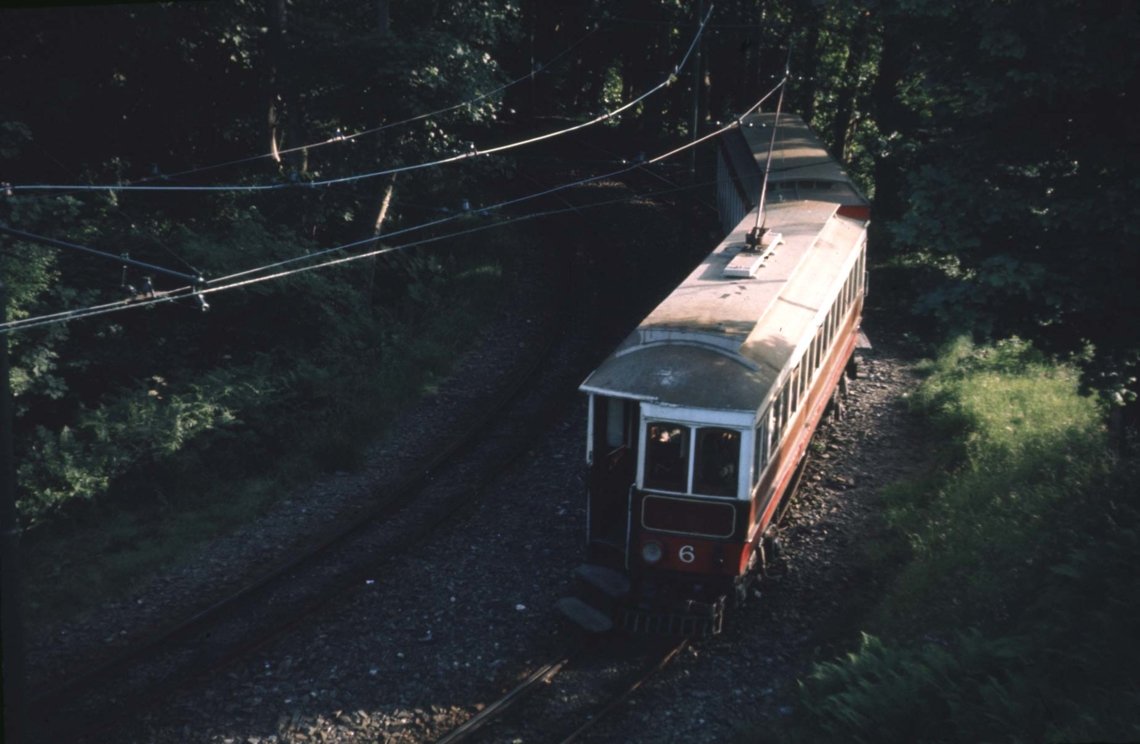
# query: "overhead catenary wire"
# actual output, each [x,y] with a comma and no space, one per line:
[342,138]
[125,260]
[474,152]
[234,281]
[120,212]
[499,205]
[187,292]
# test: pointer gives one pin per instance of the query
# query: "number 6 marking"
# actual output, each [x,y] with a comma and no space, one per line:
[687,554]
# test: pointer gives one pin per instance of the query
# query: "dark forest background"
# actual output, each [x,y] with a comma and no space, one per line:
[998,140]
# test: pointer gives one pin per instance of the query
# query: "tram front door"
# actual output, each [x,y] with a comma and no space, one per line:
[613,472]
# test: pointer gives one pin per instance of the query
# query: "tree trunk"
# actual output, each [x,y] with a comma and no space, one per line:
[385,203]
[891,116]
[845,102]
[806,15]
[275,43]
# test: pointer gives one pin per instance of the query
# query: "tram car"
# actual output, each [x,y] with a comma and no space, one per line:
[699,421]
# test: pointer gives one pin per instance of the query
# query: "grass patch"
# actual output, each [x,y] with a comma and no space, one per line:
[1022,447]
[1016,613]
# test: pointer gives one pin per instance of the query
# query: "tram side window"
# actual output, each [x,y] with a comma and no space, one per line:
[761,455]
[667,456]
[717,462]
[794,384]
[777,419]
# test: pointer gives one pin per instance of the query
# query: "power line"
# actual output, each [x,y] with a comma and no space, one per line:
[234,281]
[187,292]
[499,205]
[94,251]
[119,210]
[340,138]
[472,153]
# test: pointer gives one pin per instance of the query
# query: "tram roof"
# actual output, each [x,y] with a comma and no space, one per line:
[722,343]
[801,166]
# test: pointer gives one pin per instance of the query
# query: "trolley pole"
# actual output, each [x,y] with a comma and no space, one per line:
[11,598]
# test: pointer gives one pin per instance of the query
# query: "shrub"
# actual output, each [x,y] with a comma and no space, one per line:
[1017,614]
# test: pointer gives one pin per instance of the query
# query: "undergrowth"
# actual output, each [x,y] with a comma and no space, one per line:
[1016,613]
[291,419]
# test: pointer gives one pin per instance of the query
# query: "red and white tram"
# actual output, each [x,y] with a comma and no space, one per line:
[700,419]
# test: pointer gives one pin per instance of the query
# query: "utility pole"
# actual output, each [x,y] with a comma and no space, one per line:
[11,598]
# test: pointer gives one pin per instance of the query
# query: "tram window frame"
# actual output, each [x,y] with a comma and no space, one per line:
[709,443]
[762,447]
[794,384]
[656,465]
[779,416]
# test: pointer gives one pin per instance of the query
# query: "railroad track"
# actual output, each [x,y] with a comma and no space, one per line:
[88,705]
[581,675]
[442,486]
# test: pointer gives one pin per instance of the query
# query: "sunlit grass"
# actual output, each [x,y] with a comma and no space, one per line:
[1012,609]
[1023,444]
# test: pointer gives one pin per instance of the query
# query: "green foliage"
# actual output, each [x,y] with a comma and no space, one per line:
[887,693]
[200,469]
[1016,616]
[1025,447]
[106,442]
[1008,175]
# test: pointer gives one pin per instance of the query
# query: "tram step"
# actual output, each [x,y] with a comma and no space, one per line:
[586,616]
[606,580]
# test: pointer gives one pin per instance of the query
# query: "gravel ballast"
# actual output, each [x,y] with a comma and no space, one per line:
[443,629]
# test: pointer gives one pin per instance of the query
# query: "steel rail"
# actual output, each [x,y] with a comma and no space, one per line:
[648,672]
[52,707]
[467,729]
[500,707]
